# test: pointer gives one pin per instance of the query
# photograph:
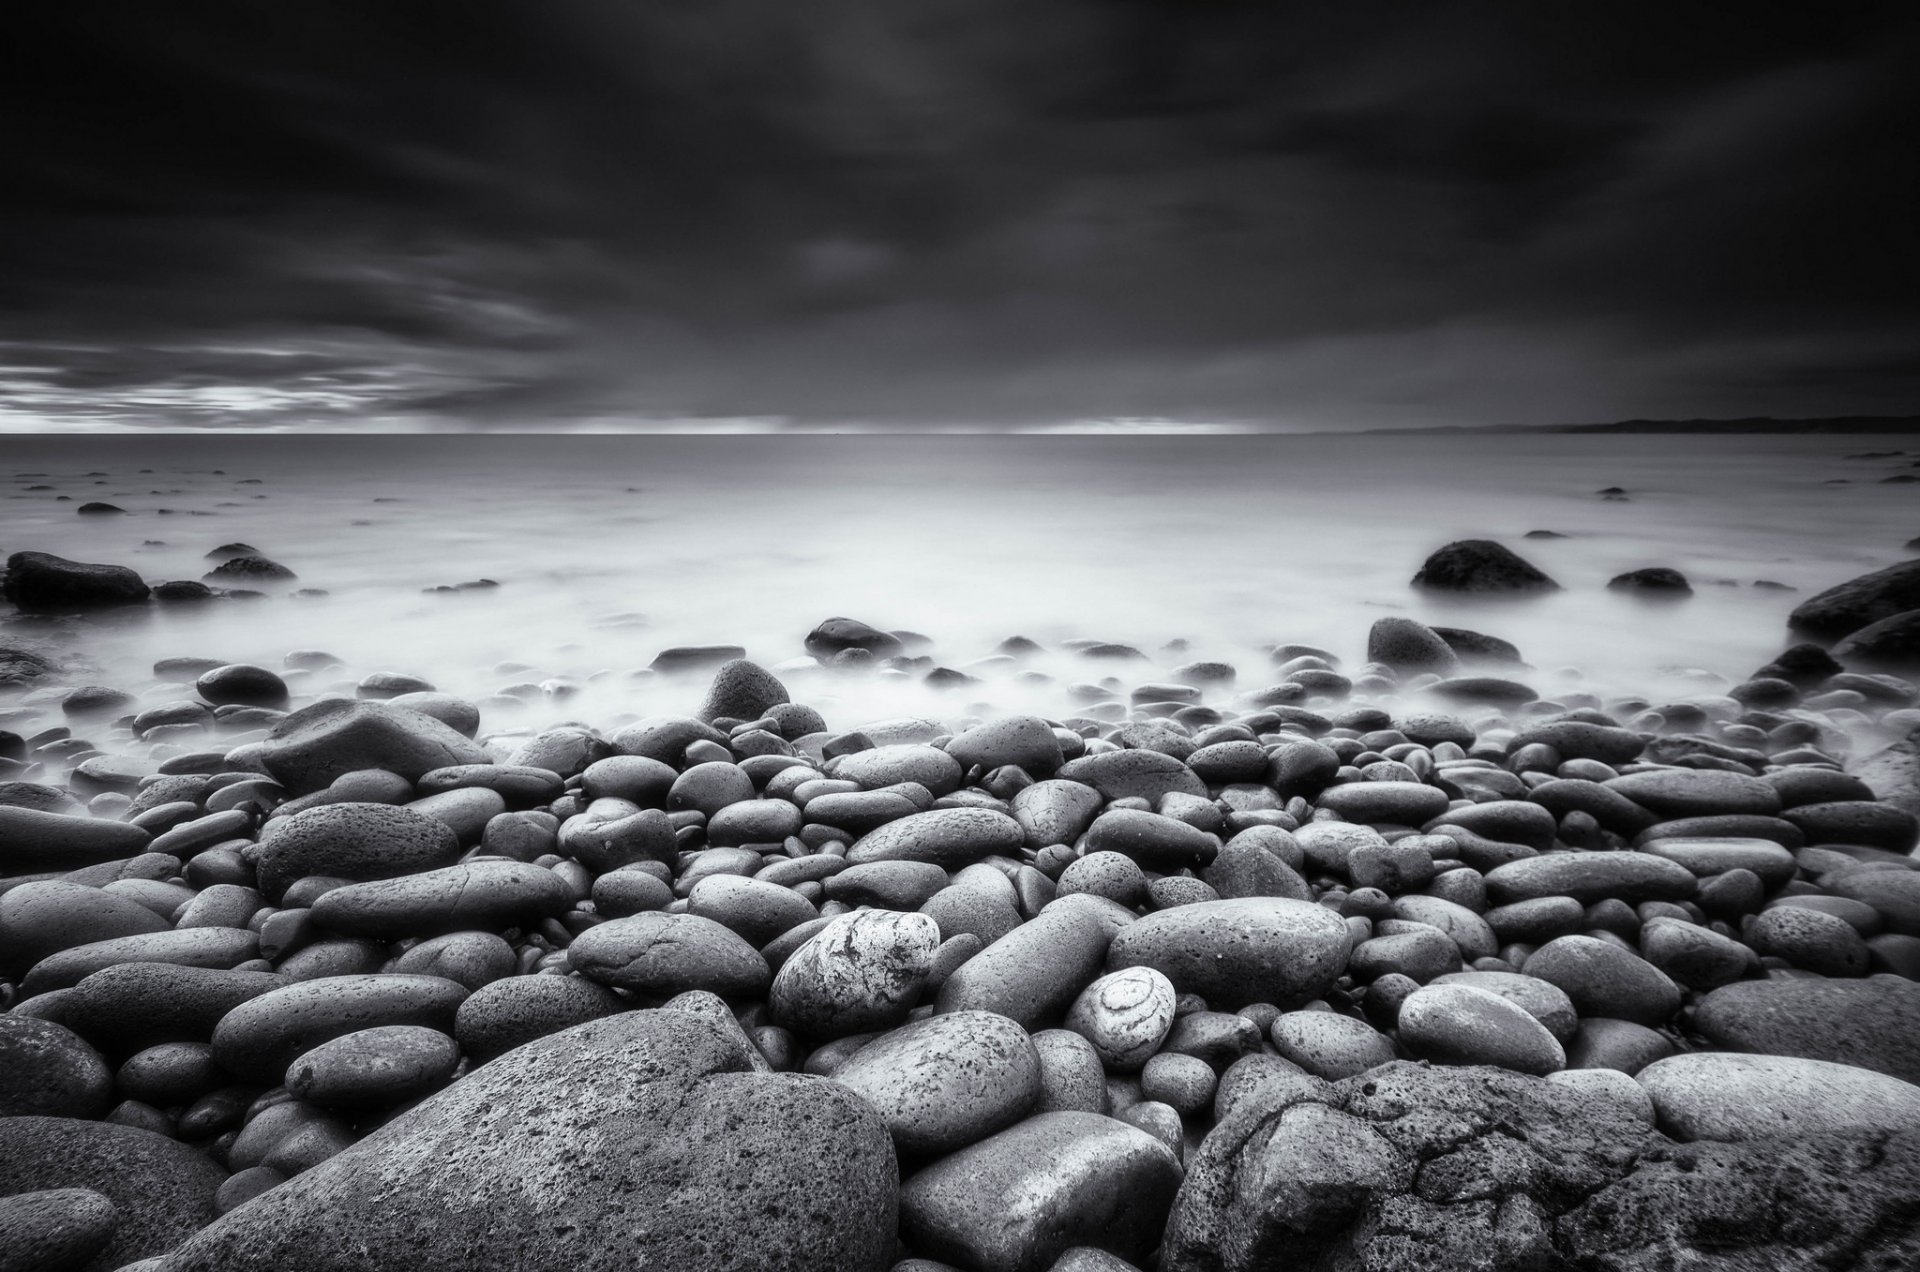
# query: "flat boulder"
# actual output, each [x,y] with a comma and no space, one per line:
[41,582]
[641,1140]
[316,744]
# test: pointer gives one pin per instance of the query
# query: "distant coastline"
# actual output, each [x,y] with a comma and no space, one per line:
[1878,424]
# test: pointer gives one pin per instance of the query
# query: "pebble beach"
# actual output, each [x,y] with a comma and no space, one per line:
[1446,924]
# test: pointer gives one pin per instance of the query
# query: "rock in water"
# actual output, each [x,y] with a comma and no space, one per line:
[40,581]
[1017,1201]
[1407,645]
[1652,580]
[163,1190]
[837,634]
[1481,565]
[742,690]
[638,1141]
[1847,607]
[1891,644]
[316,744]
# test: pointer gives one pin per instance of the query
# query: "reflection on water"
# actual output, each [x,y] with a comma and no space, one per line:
[1229,542]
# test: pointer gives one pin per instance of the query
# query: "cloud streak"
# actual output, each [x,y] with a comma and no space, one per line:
[957,214]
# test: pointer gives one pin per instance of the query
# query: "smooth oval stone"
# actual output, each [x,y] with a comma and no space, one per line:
[1896,895]
[355,841]
[50,1071]
[929,766]
[465,810]
[1385,803]
[1694,956]
[1697,792]
[1033,973]
[475,895]
[1704,857]
[1235,952]
[32,840]
[1873,824]
[518,785]
[1055,812]
[753,821]
[1147,775]
[758,911]
[45,917]
[1155,842]
[1421,955]
[1463,927]
[1587,877]
[262,1036]
[471,958]
[1604,980]
[1025,741]
[55,1230]
[373,1068]
[1810,939]
[1620,1045]
[946,837]
[1506,820]
[1125,1015]
[1459,1024]
[132,1006]
[892,885]
[1609,1087]
[637,779]
[1071,1076]
[1545,1002]
[508,1013]
[191,947]
[861,973]
[1329,1046]
[947,1081]
[1723,1096]
[667,954]
[1872,1023]
[611,834]
[1018,1200]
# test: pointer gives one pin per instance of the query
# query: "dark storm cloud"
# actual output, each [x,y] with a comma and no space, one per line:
[956,212]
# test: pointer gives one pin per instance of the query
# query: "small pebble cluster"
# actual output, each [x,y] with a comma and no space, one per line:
[306,971]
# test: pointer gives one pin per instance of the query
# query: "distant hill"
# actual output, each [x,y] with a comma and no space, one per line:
[1875,424]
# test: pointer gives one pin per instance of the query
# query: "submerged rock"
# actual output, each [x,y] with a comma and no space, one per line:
[1481,565]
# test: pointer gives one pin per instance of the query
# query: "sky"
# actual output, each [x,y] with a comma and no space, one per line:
[1081,215]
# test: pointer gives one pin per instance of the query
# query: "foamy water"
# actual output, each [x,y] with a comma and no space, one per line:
[1227,542]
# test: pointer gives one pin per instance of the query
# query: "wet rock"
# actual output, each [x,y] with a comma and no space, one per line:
[317,744]
[947,1081]
[742,690]
[1083,1180]
[1872,1023]
[1329,1046]
[374,1068]
[1231,953]
[134,1005]
[666,954]
[861,973]
[44,583]
[835,635]
[38,919]
[1721,1096]
[1481,565]
[162,1191]
[1847,607]
[51,1071]
[660,1119]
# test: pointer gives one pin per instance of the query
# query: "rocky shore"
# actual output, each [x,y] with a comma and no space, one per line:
[1392,962]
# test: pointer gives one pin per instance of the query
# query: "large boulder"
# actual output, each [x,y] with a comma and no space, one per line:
[1872,1023]
[742,690]
[50,1070]
[316,744]
[163,1190]
[1847,607]
[1891,644]
[1403,1167]
[1481,565]
[43,582]
[640,1140]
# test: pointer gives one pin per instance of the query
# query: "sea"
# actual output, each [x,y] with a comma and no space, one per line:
[607,549]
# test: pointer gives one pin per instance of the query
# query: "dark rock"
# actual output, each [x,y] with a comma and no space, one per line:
[57,1230]
[1234,952]
[1472,646]
[40,581]
[742,690]
[97,509]
[131,1006]
[317,744]
[51,1071]
[352,841]
[241,684]
[259,1038]
[1658,578]
[836,634]
[1409,646]
[1872,1023]
[251,569]
[663,1151]
[1892,644]
[1847,607]
[1481,565]
[162,1190]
